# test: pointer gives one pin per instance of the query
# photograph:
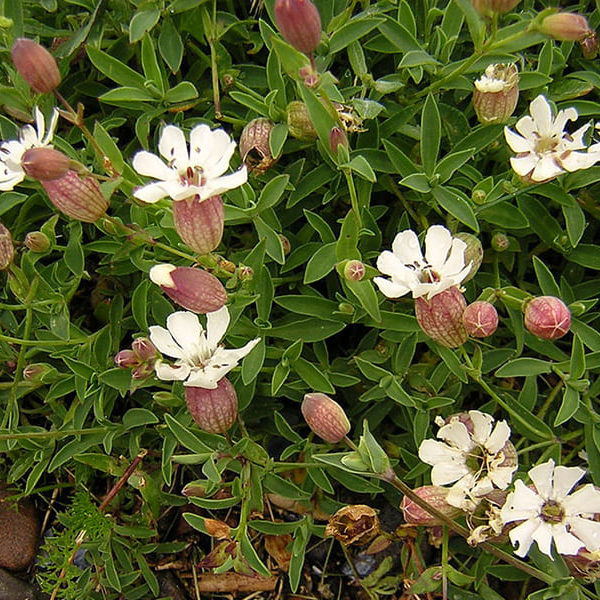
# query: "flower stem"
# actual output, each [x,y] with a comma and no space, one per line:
[353,195]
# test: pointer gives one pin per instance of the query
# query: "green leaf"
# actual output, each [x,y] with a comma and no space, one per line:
[451,163]
[360,165]
[456,205]
[322,262]
[313,376]
[545,278]
[182,92]
[253,362]
[431,134]
[114,69]
[586,255]
[152,69]
[108,146]
[568,407]
[141,23]
[577,364]
[523,367]
[73,256]
[137,417]
[170,45]
[272,193]
[351,32]
[365,292]
[416,181]
[185,437]
[347,245]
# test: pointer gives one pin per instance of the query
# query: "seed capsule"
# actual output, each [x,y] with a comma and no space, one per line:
[7,248]
[547,317]
[254,145]
[325,417]
[200,224]
[215,410]
[440,317]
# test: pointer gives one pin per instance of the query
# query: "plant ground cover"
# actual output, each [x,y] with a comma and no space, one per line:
[219,216]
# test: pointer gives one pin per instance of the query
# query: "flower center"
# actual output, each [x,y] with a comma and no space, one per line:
[552,512]
[475,459]
[546,144]
[192,176]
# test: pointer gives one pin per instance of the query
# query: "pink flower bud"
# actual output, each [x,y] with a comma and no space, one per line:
[246,273]
[547,317]
[496,93]
[192,288]
[44,163]
[35,65]
[254,145]
[126,359]
[440,317]
[215,410]
[200,224]
[142,371]
[434,495]
[77,197]
[566,27]
[7,248]
[337,137]
[354,270]
[144,349]
[299,23]
[480,319]
[488,7]
[37,241]
[325,417]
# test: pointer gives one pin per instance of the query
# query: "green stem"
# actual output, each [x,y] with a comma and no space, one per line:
[24,342]
[51,434]
[353,195]
[550,399]
[214,67]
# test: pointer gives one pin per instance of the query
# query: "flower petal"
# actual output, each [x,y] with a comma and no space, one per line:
[164,342]
[521,504]
[220,185]
[501,477]
[186,330]
[438,242]
[407,248]
[585,500]
[203,378]
[587,531]
[497,440]
[566,543]
[445,473]
[573,161]
[543,537]
[516,142]
[167,372]
[457,435]
[148,164]
[28,137]
[173,147]
[525,164]
[542,476]
[541,112]
[217,323]
[51,128]
[150,193]
[482,426]
[390,289]
[546,168]
[565,479]
[522,535]
[211,150]
[456,260]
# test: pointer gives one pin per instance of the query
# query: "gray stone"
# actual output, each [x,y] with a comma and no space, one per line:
[12,588]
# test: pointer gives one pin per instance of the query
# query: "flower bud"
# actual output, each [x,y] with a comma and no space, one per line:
[496,93]
[473,253]
[246,273]
[299,23]
[77,197]
[36,241]
[487,8]
[126,359]
[354,270]
[254,145]
[7,249]
[144,349]
[589,46]
[142,371]
[298,121]
[566,27]
[40,372]
[215,410]
[434,495]
[500,242]
[200,224]
[285,244]
[547,317]
[191,288]
[346,308]
[440,317]
[44,164]
[337,137]
[480,319]
[325,417]
[35,65]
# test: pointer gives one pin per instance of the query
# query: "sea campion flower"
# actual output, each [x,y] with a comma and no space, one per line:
[201,361]
[475,455]
[544,149]
[300,23]
[442,267]
[547,317]
[325,417]
[566,27]
[550,513]
[195,174]
[35,65]
[496,93]
[12,151]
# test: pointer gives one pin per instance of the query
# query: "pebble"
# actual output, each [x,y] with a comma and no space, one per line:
[19,533]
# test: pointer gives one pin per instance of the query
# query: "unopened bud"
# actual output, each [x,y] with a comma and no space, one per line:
[346,308]
[589,46]
[487,8]
[44,164]
[337,137]
[285,244]
[126,359]
[35,65]
[440,317]
[36,241]
[77,197]
[298,121]
[547,317]
[40,372]
[7,248]
[473,253]
[200,224]
[480,319]
[191,288]
[325,417]
[144,349]
[496,93]
[195,489]
[246,273]
[299,23]
[254,145]
[479,197]
[434,495]
[566,27]
[142,371]
[500,242]
[215,410]
[354,270]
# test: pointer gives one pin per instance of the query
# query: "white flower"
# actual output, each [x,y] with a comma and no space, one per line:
[197,173]
[11,152]
[550,513]
[544,149]
[442,267]
[476,459]
[201,361]
[498,78]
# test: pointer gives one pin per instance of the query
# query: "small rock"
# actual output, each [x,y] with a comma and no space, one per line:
[169,586]
[19,533]
[12,588]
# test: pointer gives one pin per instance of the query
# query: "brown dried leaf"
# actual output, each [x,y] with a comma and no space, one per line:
[276,546]
[223,583]
[217,529]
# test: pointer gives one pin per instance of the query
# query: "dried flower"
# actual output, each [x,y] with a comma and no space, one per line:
[589,46]
[35,65]
[480,319]
[200,223]
[214,410]
[434,495]
[7,248]
[566,27]
[299,23]
[255,148]
[496,93]
[193,289]
[440,317]
[325,417]
[44,163]
[353,524]
[547,317]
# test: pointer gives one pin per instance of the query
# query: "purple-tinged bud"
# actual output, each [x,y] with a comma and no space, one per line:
[500,242]
[35,65]
[310,76]
[354,270]
[40,372]
[299,23]
[547,317]
[246,273]
[142,371]
[480,319]
[215,410]
[440,317]
[77,197]
[285,244]
[473,253]
[337,137]
[44,164]
[36,241]
[7,248]
[144,349]
[496,93]
[325,417]
[191,288]
[589,46]
[487,8]
[126,359]
[200,224]
[434,495]
[566,27]
[254,145]
[299,123]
